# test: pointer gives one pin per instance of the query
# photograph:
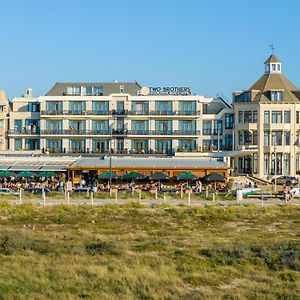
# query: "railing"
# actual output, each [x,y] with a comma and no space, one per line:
[24,131]
[120,112]
[118,132]
[76,112]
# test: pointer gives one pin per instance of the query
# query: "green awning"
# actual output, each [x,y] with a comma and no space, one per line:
[107,175]
[7,173]
[47,174]
[186,176]
[133,175]
[26,174]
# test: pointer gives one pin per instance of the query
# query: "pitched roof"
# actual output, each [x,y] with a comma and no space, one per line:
[60,88]
[269,82]
[272,59]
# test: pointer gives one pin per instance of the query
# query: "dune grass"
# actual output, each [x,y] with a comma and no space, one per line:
[134,252]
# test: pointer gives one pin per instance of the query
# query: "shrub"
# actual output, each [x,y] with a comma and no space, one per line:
[103,247]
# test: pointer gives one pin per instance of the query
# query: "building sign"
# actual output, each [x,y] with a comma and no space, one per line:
[166,90]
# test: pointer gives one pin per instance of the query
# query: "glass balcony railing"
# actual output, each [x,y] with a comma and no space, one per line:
[24,131]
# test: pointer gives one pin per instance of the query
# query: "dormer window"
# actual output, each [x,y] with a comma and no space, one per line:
[273,67]
[246,97]
[276,95]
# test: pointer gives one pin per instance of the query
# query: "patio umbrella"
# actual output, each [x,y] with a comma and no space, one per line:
[159,176]
[26,174]
[47,174]
[214,177]
[186,176]
[133,175]
[7,173]
[107,175]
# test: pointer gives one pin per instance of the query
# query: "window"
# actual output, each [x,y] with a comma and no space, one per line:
[241,138]
[246,96]
[164,126]
[276,117]
[74,90]
[76,126]
[254,142]
[139,107]
[267,117]
[77,107]
[138,125]
[54,106]
[247,117]
[287,116]
[206,144]
[101,126]
[273,67]
[33,107]
[187,145]
[228,141]
[121,89]
[267,138]
[240,117]
[247,138]
[266,163]
[100,107]
[164,107]
[276,95]
[228,121]
[297,116]
[163,146]
[54,146]
[277,138]
[187,107]
[77,146]
[286,161]
[255,116]
[218,127]
[53,125]
[207,127]
[18,144]
[278,67]
[18,125]
[287,138]
[187,126]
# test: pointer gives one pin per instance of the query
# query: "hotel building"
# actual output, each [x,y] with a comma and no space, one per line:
[129,119]
[267,122]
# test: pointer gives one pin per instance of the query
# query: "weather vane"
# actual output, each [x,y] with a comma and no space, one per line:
[272,48]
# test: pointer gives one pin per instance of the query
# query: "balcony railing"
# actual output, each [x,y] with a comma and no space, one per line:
[120,112]
[76,112]
[24,131]
[118,132]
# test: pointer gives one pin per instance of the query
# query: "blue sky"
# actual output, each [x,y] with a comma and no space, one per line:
[213,46]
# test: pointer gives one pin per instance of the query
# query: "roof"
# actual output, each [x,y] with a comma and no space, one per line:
[60,88]
[272,59]
[150,162]
[268,82]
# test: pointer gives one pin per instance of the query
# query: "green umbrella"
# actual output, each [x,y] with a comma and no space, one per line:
[133,175]
[26,174]
[47,174]
[186,176]
[7,173]
[107,175]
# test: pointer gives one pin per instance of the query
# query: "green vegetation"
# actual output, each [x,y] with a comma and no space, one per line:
[135,252]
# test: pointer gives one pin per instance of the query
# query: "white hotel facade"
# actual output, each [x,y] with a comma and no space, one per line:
[129,119]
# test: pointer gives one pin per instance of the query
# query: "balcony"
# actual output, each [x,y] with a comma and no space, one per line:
[24,132]
[118,132]
[75,112]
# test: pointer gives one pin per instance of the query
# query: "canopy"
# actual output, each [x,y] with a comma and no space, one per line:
[26,174]
[159,176]
[107,175]
[7,173]
[186,176]
[47,174]
[133,175]
[213,177]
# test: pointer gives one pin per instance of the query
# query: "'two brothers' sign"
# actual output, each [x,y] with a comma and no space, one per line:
[166,90]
